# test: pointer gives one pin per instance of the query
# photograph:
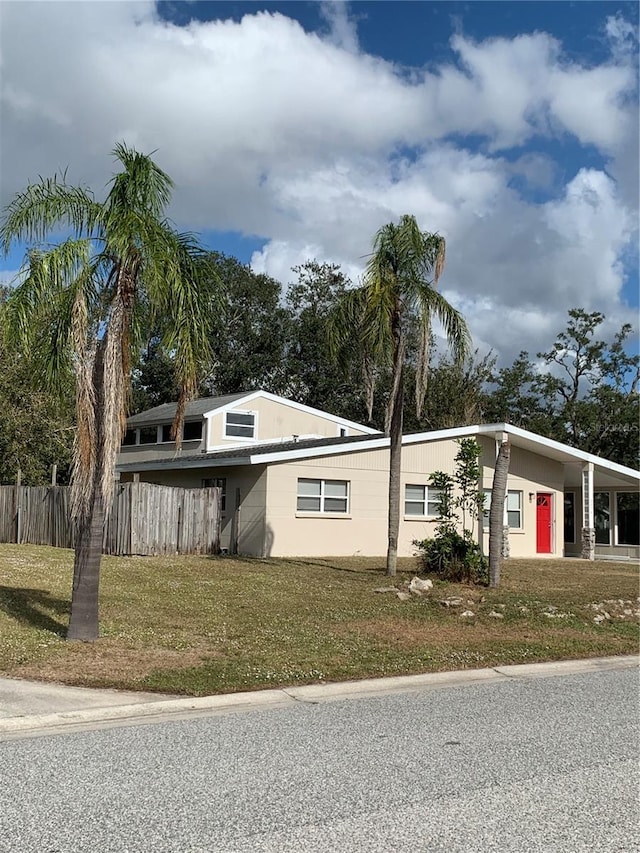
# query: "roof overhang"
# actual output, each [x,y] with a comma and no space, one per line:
[609,473]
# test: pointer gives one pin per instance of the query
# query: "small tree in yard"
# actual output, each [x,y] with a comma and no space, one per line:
[453,555]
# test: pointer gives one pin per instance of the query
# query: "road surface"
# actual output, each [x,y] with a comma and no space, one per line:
[523,765]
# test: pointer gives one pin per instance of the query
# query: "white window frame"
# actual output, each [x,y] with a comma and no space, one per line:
[149,429]
[429,496]
[240,437]
[520,509]
[323,497]
[163,440]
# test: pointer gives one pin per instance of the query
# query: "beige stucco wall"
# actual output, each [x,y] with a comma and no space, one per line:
[529,473]
[269,524]
[275,420]
[364,529]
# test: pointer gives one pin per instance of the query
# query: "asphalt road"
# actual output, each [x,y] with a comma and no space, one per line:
[544,764]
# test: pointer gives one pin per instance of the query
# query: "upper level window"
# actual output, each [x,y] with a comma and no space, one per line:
[240,425]
[191,431]
[149,435]
[421,500]
[129,437]
[323,495]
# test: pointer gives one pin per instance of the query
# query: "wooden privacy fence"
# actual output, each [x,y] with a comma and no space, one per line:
[145,519]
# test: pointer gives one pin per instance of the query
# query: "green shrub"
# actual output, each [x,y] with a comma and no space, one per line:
[453,558]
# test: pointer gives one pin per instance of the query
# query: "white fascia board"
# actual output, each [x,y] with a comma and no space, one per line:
[578,455]
[230,406]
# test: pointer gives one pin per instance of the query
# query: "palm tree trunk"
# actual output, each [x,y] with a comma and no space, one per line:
[496,513]
[395,453]
[83,624]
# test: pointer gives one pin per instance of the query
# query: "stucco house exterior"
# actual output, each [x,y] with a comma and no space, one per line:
[297,481]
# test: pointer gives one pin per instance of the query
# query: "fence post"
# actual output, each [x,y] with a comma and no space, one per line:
[18,507]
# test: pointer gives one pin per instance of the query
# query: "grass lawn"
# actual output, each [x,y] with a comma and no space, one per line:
[202,625]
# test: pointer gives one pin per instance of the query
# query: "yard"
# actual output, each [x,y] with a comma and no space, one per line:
[202,625]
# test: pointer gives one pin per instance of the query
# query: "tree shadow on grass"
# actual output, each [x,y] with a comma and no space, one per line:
[309,562]
[29,606]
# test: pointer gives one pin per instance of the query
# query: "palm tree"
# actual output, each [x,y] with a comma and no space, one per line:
[496,511]
[398,290]
[79,310]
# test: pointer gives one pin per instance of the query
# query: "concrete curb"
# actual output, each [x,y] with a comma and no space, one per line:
[314,694]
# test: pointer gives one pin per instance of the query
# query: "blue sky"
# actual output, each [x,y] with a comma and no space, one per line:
[295,130]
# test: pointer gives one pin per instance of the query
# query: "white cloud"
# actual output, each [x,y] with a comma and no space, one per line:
[303,140]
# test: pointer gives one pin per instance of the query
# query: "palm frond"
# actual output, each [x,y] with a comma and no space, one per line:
[38,317]
[191,293]
[44,206]
[142,187]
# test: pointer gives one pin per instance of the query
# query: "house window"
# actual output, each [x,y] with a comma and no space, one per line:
[421,500]
[569,518]
[602,517]
[628,514]
[149,435]
[192,431]
[342,431]
[323,495]
[240,424]
[220,483]
[512,509]
[129,437]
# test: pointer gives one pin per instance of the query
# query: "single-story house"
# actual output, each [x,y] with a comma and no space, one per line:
[297,481]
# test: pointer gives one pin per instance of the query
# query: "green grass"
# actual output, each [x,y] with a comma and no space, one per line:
[200,625]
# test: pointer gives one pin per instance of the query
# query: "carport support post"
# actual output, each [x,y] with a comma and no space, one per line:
[588,525]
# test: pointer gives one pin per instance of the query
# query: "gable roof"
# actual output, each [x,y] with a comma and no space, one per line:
[207,406]
[289,451]
[166,412]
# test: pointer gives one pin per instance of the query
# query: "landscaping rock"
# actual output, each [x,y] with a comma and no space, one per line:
[418,586]
[467,613]
[450,602]
[496,615]
[403,596]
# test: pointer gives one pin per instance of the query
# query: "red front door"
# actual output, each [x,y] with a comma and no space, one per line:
[543,523]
